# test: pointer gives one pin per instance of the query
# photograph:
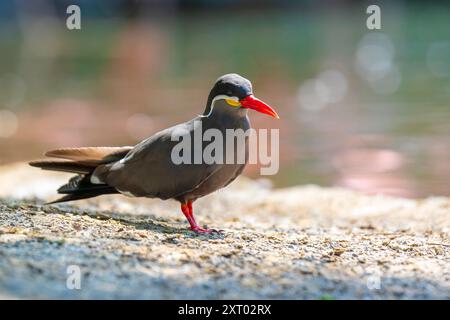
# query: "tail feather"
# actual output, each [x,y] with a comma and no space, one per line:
[84,195]
[81,183]
[80,187]
[95,155]
[82,161]
[63,165]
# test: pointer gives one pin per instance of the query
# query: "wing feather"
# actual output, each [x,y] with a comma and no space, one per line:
[149,171]
[90,154]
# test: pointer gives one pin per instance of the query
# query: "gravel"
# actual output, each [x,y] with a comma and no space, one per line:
[304,242]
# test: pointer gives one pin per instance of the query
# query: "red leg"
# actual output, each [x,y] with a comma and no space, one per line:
[189,214]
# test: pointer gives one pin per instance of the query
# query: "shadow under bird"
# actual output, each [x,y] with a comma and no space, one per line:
[147,169]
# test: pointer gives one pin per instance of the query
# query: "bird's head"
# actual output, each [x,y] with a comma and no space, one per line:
[237,92]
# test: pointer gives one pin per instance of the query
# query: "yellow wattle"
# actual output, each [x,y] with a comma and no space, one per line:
[233,103]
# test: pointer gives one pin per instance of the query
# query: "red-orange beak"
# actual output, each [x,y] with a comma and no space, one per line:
[254,103]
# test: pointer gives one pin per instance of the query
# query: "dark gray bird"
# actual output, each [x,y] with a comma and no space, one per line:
[149,169]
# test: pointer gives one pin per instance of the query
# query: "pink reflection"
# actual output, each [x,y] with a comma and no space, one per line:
[373,171]
[371,160]
[371,183]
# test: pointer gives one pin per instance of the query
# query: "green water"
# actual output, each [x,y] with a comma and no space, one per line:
[81,87]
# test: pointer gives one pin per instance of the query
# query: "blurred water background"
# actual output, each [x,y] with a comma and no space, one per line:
[363,109]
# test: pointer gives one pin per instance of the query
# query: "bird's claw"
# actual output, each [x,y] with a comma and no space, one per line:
[206,230]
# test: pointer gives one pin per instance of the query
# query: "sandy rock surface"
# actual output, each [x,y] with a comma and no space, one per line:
[294,243]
